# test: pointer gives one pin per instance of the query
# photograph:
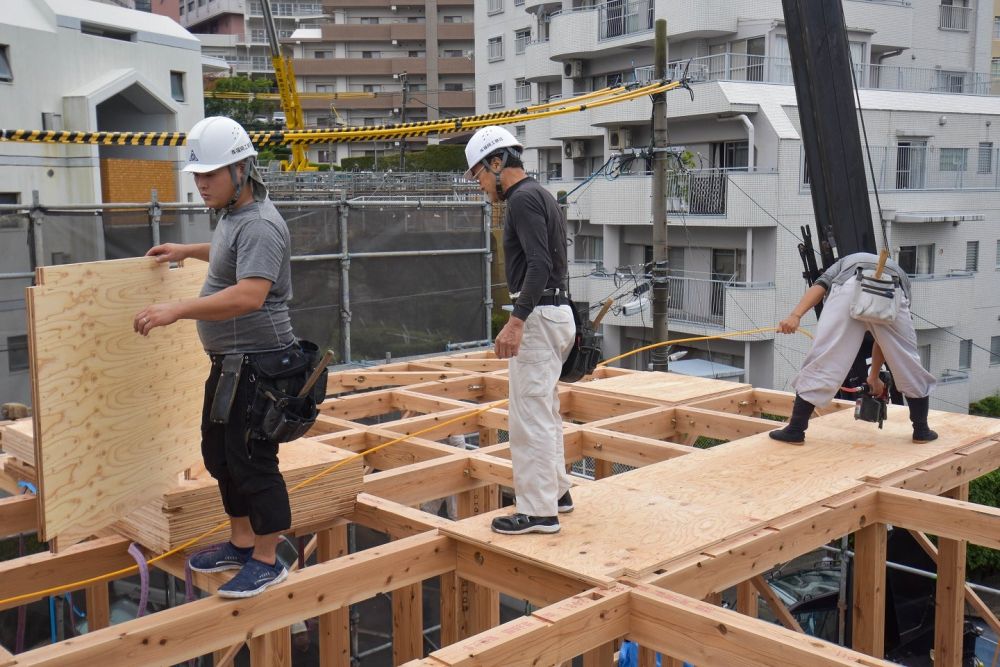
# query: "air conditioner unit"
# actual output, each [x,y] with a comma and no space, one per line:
[395,111]
[620,138]
[573,69]
[395,42]
[574,149]
[392,8]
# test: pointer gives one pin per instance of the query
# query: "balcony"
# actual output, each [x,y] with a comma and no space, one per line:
[768,69]
[912,166]
[952,17]
[535,6]
[388,100]
[941,301]
[700,303]
[538,63]
[574,126]
[361,66]
[287,9]
[456,32]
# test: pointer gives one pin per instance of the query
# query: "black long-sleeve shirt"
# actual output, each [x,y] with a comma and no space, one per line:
[534,243]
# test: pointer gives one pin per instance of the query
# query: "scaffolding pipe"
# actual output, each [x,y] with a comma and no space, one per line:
[345,286]
[488,273]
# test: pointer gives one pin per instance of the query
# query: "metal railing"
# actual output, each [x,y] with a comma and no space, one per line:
[495,96]
[522,93]
[619,18]
[922,167]
[494,49]
[954,17]
[770,69]
[434,186]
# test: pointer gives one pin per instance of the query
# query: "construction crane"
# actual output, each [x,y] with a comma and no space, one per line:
[284,76]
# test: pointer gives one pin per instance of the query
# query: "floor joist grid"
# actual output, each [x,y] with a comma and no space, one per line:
[643,556]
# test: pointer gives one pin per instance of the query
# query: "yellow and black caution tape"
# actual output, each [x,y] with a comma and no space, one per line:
[592,100]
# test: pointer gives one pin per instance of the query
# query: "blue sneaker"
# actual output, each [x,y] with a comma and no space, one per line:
[253,579]
[219,558]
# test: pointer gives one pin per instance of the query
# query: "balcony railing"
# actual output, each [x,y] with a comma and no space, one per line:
[618,18]
[768,69]
[955,18]
[921,167]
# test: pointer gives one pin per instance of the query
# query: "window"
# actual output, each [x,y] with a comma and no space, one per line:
[522,91]
[416,54]
[995,68]
[114,33]
[521,40]
[588,248]
[17,353]
[994,350]
[326,88]
[518,3]
[996,27]
[6,74]
[985,163]
[457,88]
[177,86]
[180,10]
[452,19]
[965,354]
[322,55]
[371,54]
[495,95]
[972,256]
[494,49]
[997,259]
[520,132]
[950,82]
[369,20]
[953,159]
[955,15]
[494,7]
[453,53]
[917,260]
[15,198]
[925,356]
[911,160]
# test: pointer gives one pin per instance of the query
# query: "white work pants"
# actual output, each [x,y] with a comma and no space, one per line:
[535,425]
[838,337]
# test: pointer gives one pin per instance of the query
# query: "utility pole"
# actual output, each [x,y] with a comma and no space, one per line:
[660,280]
[402,119]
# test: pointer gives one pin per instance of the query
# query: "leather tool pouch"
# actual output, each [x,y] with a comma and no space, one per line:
[277,412]
[225,390]
[585,353]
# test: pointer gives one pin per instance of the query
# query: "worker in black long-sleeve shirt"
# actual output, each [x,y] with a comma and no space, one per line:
[539,334]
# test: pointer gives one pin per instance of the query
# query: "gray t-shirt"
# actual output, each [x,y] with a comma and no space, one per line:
[844,269]
[250,242]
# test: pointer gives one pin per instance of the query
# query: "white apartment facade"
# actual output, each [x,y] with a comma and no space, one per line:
[934,132]
[81,65]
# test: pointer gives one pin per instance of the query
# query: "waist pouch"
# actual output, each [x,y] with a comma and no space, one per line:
[277,412]
[873,299]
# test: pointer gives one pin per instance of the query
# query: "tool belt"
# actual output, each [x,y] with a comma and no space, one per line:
[875,300]
[584,354]
[275,412]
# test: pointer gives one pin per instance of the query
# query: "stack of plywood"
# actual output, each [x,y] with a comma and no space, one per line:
[193,506]
[18,440]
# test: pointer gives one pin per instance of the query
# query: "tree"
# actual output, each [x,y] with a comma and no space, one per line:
[242,111]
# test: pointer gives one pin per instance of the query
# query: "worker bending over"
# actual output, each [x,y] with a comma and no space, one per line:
[838,338]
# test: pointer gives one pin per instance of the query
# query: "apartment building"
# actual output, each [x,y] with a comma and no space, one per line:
[741,191]
[375,50]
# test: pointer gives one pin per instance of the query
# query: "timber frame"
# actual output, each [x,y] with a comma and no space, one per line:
[668,606]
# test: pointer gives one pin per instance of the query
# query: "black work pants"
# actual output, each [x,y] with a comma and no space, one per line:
[245,467]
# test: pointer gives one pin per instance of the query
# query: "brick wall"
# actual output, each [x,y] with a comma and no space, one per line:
[132,180]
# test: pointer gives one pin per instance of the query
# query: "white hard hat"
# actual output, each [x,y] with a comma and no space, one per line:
[485,142]
[215,142]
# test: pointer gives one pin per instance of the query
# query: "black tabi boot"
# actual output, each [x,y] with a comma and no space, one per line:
[794,432]
[918,415]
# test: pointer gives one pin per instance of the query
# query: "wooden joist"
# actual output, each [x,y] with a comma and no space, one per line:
[18,514]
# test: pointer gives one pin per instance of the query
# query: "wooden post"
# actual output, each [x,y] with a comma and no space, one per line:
[647,657]
[334,626]
[407,624]
[949,601]
[479,606]
[868,623]
[487,437]
[603,469]
[98,607]
[746,599]
[449,608]
[602,656]
[273,649]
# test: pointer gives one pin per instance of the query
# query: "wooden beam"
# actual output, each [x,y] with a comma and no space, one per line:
[29,574]
[549,636]
[727,563]
[420,482]
[776,605]
[949,598]
[721,425]
[18,514]
[941,516]
[631,450]
[98,607]
[518,578]
[948,470]
[197,628]
[392,518]
[334,626]
[491,468]
[710,636]
[868,618]
[602,656]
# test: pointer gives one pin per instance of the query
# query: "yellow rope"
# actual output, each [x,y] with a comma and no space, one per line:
[55,590]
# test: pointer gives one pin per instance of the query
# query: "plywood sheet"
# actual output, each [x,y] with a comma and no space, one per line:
[637,522]
[117,416]
[666,388]
[17,439]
